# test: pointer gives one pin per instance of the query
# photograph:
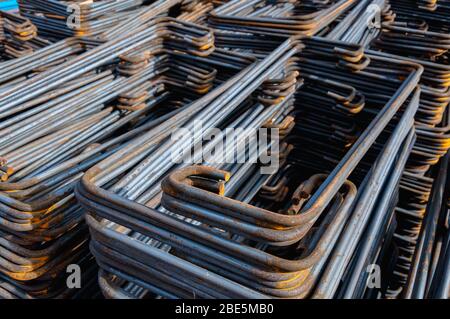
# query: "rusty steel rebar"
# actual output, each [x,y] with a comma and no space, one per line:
[115,154]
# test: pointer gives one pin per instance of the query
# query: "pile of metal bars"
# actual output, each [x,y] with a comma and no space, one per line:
[225,149]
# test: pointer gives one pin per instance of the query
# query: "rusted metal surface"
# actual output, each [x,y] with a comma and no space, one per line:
[354,112]
[69,123]
[195,193]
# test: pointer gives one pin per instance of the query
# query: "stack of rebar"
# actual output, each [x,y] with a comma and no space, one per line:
[80,107]
[192,228]
[18,36]
[225,149]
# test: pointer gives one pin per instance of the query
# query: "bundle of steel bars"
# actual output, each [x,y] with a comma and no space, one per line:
[225,149]
[61,19]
